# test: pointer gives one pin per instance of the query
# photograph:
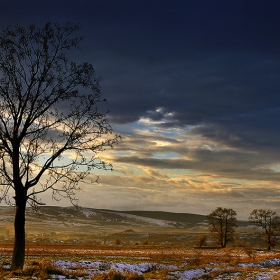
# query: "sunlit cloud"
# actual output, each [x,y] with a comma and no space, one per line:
[156,174]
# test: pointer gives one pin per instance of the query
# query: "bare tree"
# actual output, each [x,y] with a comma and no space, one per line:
[51,129]
[267,220]
[222,222]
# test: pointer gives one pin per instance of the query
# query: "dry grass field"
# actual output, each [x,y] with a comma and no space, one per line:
[49,261]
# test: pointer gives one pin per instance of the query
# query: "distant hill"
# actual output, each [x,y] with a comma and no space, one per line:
[170,216]
[101,225]
[101,217]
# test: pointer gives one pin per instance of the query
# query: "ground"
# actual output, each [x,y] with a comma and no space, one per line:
[85,243]
[150,261]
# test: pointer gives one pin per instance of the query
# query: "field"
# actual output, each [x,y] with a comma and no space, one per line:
[69,225]
[68,243]
[50,261]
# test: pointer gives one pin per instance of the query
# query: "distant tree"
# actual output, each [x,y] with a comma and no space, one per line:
[267,220]
[222,222]
[51,129]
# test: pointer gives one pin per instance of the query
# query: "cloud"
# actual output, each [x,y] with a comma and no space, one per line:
[156,174]
[179,194]
[193,87]
[197,154]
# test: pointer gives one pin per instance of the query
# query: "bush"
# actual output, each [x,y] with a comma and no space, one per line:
[40,270]
[239,243]
[202,240]
[118,242]
[248,249]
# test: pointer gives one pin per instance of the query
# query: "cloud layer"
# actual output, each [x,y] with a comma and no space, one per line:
[193,87]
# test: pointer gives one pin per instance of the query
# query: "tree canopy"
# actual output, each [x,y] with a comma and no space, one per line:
[269,221]
[222,222]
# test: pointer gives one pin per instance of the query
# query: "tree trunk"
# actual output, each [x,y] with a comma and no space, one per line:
[224,242]
[20,200]
[268,245]
[19,242]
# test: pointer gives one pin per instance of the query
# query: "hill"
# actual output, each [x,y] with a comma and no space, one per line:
[88,225]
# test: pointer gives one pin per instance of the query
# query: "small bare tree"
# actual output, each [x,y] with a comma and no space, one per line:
[222,222]
[51,130]
[267,220]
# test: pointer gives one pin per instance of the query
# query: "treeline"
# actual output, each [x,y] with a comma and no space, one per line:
[222,223]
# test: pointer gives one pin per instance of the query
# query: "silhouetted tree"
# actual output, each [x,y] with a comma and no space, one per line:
[51,129]
[222,222]
[267,220]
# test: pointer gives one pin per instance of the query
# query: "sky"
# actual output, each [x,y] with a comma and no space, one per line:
[192,87]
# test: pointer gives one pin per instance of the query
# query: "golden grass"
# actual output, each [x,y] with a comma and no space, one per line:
[39,270]
[114,275]
[219,261]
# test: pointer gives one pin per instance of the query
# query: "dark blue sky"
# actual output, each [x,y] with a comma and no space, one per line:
[193,86]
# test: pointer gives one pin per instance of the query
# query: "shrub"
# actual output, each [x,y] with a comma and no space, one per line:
[118,241]
[248,249]
[239,243]
[40,270]
[202,240]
